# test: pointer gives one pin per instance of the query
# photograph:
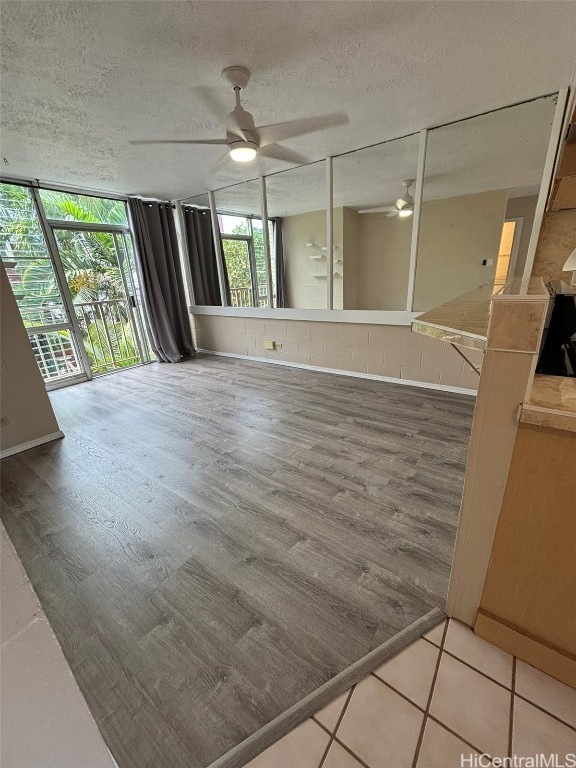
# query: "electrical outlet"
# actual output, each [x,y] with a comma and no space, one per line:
[487,262]
[269,344]
[4,421]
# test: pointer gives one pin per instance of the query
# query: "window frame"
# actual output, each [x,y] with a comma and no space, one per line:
[249,239]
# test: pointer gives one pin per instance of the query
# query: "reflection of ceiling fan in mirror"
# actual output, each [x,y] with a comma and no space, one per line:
[403,207]
[245,141]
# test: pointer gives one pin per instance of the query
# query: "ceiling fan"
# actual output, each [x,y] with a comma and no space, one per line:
[245,141]
[403,207]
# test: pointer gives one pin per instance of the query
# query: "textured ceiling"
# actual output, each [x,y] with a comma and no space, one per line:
[79,79]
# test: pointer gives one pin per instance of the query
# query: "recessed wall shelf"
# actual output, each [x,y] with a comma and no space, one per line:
[317,256]
[324,275]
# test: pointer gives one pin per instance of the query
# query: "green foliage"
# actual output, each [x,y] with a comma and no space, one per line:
[237,263]
[89,260]
[69,207]
[236,255]
[121,347]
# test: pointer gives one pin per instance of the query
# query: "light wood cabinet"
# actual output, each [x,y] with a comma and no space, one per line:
[528,605]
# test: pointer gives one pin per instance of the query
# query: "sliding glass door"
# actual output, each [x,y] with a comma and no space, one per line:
[70,262]
[104,297]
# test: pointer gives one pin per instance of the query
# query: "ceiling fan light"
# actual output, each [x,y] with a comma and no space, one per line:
[405,212]
[242,151]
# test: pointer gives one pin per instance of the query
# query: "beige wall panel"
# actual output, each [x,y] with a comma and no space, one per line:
[456,234]
[383,262]
[24,401]
[379,350]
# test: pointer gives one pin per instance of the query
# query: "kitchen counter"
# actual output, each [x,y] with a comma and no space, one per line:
[551,403]
[462,321]
[465,320]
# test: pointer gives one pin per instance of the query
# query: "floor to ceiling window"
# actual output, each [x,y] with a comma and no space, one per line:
[70,262]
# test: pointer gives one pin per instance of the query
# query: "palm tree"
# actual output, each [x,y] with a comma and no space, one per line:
[90,263]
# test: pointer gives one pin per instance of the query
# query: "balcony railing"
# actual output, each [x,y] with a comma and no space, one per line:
[242,297]
[108,334]
[55,354]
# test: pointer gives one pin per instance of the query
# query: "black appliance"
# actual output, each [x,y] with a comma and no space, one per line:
[558,355]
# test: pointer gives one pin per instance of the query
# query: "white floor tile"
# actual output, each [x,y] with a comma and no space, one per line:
[435,635]
[535,732]
[441,749]
[302,747]
[492,661]
[329,715]
[548,693]
[380,726]
[18,601]
[472,706]
[45,721]
[339,758]
[412,671]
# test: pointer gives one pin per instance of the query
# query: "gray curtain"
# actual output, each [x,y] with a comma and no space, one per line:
[162,284]
[203,268]
[279,254]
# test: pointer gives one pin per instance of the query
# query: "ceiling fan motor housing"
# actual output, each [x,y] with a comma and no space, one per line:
[240,128]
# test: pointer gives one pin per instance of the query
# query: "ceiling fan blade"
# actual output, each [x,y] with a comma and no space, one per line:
[277,132]
[179,141]
[276,152]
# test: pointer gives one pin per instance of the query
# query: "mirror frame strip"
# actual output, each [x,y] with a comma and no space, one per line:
[266,239]
[421,162]
[218,248]
[329,233]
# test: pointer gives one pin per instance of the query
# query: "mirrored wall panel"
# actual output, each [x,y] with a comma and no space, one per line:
[297,213]
[198,201]
[481,183]
[373,218]
[242,241]
[207,281]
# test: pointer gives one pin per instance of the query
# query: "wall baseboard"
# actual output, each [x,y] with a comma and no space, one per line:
[339,372]
[31,444]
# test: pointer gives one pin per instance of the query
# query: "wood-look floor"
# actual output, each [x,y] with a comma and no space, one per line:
[214,540]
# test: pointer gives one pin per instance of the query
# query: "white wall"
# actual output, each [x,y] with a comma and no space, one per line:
[383,262]
[303,291]
[456,234]
[23,398]
[350,255]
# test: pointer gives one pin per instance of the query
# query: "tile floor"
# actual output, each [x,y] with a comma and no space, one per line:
[450,694]
[45,721]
